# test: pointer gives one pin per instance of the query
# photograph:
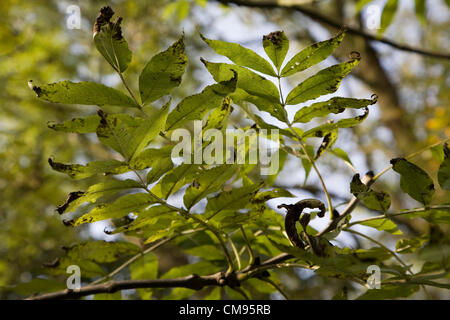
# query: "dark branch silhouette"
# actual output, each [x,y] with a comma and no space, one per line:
[324,19]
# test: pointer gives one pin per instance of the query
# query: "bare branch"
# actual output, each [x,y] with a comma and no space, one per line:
[324,19]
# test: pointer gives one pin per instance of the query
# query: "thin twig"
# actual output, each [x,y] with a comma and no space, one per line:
[324,19]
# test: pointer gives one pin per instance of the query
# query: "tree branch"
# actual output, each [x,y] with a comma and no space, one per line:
[193,282]
[324,19]
[367,180]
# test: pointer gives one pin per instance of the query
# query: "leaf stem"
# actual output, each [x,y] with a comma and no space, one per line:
[249,248]
[322,182]
[394,214]
[188,215]
[411,156]
[382,246]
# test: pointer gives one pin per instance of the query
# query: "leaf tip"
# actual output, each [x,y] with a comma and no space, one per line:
[36,89]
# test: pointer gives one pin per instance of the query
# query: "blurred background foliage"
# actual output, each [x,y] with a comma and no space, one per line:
[37,44]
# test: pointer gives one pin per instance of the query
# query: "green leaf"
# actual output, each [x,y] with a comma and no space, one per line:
[241,56]
[413,180]
[272,194]
[37,285]
[180,293]
[361,4]
[264,125]
[119,208]
[150,157]
[148,131]
[79,171]
[431,215]
[218,118]
[409,245]
[275,109]
[101,251]
[387,15]
[206,182]
[84,92]
[88,268]
[176,179]
[374,200]
[116,132]
[276,46]
[326,128]
[196,106]
[261,286]
[334,105]
[88,255]
[312,55]
[200,268]
[95,192]
[163,72]
[444,170]
[421,11]
[323,82]
[383,225]
[235,199]
[247,80]
[438,152]
[338,152]
[77,125]
[159,169]
[153,219]
[145,268]
[109,40]
[215,294]
[388,291]
[328,141]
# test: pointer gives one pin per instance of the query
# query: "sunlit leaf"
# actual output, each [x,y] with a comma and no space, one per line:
[117,132]
[85,92]
[413,180]
[122,206]
[231,200]
[444,170]
[338,152]
[384,224]
[196,106]
[97,191]
[163,72]
[388,291]
[323,82]
[144,268]
[326,128]
[312,55]
[247,80]
[328,141]
[109,40]
[241,56]
[206,182]
[334,105]
[78,171]
[77,125]
[387,15]
[372,199]
[276,46]
[148,130]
